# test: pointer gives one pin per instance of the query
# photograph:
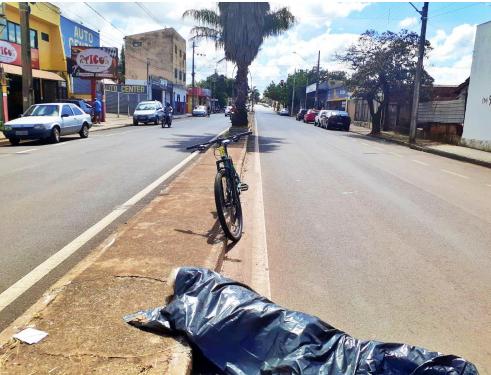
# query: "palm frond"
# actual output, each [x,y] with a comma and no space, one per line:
[206,17]
[278,21]
[208,33]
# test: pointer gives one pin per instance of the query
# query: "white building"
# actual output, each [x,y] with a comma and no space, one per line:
[477,123]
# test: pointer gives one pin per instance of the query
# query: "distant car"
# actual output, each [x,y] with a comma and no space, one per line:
[48,121]
[300,114]
[284,112]
[317,120]
[82,104]
[228,110]
[336,120]
[200,110]
[310,116]
[148,111]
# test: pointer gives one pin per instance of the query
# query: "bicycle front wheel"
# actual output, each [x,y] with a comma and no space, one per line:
[229,210]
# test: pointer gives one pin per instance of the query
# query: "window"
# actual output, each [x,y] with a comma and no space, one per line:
[184,77]
[33,38]
[76,110]
[175,73]
[45,37]
[137,43]
[180,53]
[175,48]
[13,35]
[180,75]
[66,111]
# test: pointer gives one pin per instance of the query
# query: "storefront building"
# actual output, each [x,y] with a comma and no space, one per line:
[201,97]
[48,60]
[75,34]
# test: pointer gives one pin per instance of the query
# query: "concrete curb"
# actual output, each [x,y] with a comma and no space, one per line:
[429,150]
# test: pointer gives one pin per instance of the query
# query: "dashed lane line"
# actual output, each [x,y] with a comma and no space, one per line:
[420,162]
[26,151]
[454,173]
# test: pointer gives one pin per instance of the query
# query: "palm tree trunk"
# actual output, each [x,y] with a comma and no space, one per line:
[239,118]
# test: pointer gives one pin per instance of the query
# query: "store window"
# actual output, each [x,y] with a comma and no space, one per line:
[13,35]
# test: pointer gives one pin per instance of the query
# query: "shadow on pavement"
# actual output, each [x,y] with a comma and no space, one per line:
[266,144]
[213,235]
[182,141]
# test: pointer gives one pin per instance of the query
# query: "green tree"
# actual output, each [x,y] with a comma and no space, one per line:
[254,95]
[221,86]
[384,66]
[240,28]
[121,67]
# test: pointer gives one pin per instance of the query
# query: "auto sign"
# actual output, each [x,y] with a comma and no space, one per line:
[8,54]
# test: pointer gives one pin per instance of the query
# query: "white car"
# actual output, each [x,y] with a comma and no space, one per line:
[228,110]
[284,112]
[319,116]
[148,111]
[200,110]
[48,121]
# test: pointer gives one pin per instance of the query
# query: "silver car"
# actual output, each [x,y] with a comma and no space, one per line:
[48,122]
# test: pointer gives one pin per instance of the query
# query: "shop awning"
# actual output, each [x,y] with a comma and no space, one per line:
[43,74]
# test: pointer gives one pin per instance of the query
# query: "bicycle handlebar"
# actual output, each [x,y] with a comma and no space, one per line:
[202,146]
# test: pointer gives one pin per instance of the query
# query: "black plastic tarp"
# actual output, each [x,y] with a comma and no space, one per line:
[242,332]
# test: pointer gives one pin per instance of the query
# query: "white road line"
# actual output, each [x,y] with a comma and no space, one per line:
[25,283]
[488,185]
[259,253]
[419,162]
[25,151]
[366,144]
[396,154]
[454,174]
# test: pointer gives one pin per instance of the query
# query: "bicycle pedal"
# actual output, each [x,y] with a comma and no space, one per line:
[243,187]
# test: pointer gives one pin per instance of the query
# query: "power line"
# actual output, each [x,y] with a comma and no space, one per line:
[454,10]
[105,19]
[149,13]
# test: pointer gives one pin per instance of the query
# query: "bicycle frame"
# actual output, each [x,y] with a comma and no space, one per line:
[226,163]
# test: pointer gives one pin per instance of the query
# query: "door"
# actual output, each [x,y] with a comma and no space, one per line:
[79,116]
[68,120]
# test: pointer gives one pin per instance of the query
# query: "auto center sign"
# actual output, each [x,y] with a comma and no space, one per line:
[127,89]
[10,53]
[94,62]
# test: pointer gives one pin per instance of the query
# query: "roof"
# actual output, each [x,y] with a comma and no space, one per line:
[167,30]
[36,73]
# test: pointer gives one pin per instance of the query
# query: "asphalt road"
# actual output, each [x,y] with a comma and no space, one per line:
[53,193]
[379,240]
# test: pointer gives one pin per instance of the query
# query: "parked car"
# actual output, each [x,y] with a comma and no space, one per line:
[228,110]
[317,121]
[82,104]
[300,114]
[148,111]
[284,112]
[48,121]
[310,116]
[336,120]
[200,110]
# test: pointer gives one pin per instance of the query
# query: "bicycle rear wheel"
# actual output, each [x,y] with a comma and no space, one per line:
[227,201]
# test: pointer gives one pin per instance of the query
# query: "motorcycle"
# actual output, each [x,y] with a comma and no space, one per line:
[167,119]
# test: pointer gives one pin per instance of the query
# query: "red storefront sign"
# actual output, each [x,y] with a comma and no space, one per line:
[10,53]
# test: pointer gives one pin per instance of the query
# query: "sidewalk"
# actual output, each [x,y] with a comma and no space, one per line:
[461,153]
[112,122]
[82,313]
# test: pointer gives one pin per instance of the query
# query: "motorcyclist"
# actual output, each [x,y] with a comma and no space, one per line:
[168,110]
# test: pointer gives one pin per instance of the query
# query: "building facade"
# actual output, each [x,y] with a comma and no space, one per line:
[158,59]
[48,59]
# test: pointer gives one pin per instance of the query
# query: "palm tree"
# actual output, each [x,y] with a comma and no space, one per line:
[240,29]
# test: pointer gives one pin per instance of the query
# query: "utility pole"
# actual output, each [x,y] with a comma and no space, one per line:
[27,92]
[149,87]
[192,80]
[419,71]
[317,82]
[293,93]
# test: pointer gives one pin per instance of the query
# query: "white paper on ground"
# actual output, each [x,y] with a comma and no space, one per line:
[30,335]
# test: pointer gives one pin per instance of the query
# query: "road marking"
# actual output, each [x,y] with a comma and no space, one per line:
[25,151]
[488,185]
[260,263]
[396,154]
[454,174]
[348,192]
[420,162]
[25,283]
[366,144]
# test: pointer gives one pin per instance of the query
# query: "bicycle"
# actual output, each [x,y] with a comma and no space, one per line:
[227,187]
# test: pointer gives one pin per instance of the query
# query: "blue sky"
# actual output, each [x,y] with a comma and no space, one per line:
[325,26]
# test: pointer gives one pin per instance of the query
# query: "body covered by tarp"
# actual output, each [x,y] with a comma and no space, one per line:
[243,333]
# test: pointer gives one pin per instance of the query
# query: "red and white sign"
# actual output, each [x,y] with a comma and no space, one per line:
[94,60]
[10,53]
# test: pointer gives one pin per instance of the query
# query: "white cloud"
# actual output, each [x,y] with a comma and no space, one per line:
[451,74]
[448,47]
[408,22]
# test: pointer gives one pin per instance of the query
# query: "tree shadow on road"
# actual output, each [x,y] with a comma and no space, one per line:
[266,144]
[182,141]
